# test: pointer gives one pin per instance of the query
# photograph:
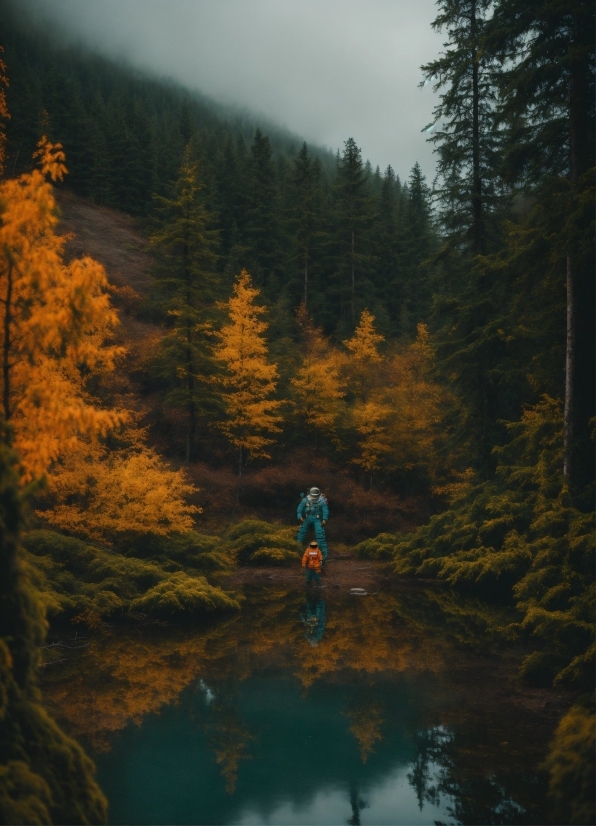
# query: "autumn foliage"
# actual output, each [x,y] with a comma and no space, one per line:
[250,379]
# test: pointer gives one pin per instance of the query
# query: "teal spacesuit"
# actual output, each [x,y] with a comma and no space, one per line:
[314,620]
[313,510]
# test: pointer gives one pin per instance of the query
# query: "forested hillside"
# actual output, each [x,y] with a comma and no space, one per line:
[426,356]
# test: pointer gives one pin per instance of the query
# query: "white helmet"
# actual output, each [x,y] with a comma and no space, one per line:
[314,493]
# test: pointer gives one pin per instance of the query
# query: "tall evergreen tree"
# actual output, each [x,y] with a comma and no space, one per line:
[419,242]
[261,223]
[547,105]
[352,204]
[187,243]
[305,217]
[467,141]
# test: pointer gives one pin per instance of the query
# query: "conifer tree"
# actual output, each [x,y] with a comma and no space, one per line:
[353,202]
[387,241]
[261,224]
[547,105]
[55,323]
[187,243]
[249,379]
[304,221]
[467,137]
[364,350]
[318,387]
[419,243]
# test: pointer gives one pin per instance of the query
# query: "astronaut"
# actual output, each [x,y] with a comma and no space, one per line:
[313,510]
[314,620]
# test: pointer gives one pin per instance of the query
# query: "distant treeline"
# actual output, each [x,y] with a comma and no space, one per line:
[300,220]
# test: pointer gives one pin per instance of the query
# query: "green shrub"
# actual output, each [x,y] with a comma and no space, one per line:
[74,578]
[518,539]
[261,543]
[183,594]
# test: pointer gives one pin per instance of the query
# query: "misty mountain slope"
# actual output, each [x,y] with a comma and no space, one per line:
[111,115]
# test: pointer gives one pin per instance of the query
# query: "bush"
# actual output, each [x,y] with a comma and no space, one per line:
[183,594]
[78,579]
[518,539]
[260,543]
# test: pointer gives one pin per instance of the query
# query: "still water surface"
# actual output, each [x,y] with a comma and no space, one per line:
[334,709]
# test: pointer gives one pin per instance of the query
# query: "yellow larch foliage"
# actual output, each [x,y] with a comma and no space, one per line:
[365,342]
[319,389]
[366,727]
[417,403]
[249,380]
[364,360]
[371,418]
[105,494]
[55,323]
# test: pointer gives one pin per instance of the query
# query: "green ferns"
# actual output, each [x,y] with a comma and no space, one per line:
[518,536]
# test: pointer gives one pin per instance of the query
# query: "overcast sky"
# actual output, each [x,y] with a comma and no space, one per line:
[325,69]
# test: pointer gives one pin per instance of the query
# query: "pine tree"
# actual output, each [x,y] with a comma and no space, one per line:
[305,218]
[261,223]
[249,379]
[467,139]
[388,276]
[547,107]
[187,242]
[352,204]
[419,243]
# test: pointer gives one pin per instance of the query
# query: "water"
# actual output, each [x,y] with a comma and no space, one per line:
[384,709]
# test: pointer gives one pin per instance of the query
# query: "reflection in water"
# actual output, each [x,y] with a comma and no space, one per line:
[379,719]
[313,618]
[357,805]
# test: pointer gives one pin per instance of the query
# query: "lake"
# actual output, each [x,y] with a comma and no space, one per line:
[324,707]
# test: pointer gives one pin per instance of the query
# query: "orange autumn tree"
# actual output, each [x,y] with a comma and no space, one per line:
[55,323]
[249,380]
[318,388]
[110,494]
[364,354]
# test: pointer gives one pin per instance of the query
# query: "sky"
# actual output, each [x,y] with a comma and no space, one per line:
[326,70]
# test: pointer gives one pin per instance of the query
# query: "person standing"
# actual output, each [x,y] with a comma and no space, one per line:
[312,560]
[313,510]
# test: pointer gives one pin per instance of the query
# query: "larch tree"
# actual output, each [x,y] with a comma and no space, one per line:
[364,354]
[318,388]
[249,379]
[187,243]
[55,324]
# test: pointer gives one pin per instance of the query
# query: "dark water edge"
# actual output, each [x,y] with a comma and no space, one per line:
[323,708]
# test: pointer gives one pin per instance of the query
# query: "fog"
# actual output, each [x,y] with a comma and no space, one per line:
[325,69]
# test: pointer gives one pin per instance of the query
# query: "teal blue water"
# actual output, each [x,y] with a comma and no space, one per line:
[302,764]
[313,711]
